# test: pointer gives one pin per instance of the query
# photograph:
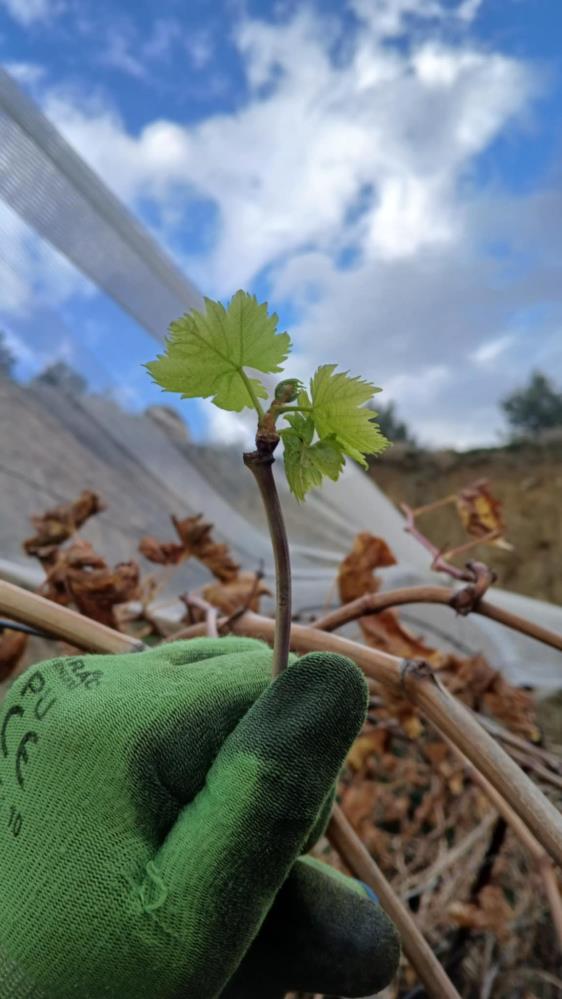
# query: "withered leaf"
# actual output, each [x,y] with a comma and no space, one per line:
[491,912]
[244,591]
[161,552]
[82,577]
[367,744]
[356,572]
[196,541]
[359,802]
[78,556]
[96,592]
[195,535]
[480,513]
[385,631]
[56,526]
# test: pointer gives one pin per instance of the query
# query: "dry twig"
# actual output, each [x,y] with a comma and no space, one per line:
[372,603]
[358,859]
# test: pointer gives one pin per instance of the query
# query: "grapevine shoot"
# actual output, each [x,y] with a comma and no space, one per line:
[216,354]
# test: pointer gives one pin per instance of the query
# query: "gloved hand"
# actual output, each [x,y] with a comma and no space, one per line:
[152,808]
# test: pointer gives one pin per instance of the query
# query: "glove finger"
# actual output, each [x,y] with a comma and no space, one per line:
[223,862]
[323,934]
[196,702]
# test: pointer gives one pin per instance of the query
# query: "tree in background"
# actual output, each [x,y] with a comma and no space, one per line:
[391,425]
[7,358]
[535,407]
[62,376]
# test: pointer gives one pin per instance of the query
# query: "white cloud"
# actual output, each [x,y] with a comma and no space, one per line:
[469,9]
[27,73]
[388,18]
[28,12]
[419,387]
[287,169]
[491,350]
[119,54]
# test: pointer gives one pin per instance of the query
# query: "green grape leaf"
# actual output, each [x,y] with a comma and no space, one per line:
[337,402]
[306,463]
[206,353]
[303,426]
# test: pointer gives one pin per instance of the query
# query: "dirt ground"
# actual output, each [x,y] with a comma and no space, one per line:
[525,477]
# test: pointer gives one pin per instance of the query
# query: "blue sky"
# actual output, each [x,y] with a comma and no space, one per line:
[387,173]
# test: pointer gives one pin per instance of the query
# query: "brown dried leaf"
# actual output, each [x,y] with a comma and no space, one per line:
[485,689]
[245,591]
[359,802]
[386,632]
[514,707]
[481,514]
[383,630]
[56,526]
[437,752]
[490,913]
[373,742]
[195,535]
[79,556]
[412,725]
[82,577]
[161,552]
[356,575]
[196,541]
[12,647]
[95,593]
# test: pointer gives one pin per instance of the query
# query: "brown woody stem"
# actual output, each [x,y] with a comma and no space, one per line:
[211,613]
[372,603]
[260,463]
[357,858]
[61,622]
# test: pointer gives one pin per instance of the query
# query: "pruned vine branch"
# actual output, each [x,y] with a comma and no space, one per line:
[372,603]
[358,859]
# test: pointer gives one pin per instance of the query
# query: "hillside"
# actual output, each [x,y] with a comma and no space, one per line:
[526,478]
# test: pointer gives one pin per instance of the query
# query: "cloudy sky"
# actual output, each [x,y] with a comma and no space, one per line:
[386,173]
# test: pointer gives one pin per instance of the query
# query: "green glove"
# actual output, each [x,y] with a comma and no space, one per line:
[152,806]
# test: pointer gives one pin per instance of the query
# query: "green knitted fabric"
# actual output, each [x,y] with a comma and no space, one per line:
[151,808]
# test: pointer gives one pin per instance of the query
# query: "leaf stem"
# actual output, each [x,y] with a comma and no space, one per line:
[249,387]
[260,462]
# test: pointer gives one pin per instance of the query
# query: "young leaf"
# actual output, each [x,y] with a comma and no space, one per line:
[307,463]
[206,353]
[337,409]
